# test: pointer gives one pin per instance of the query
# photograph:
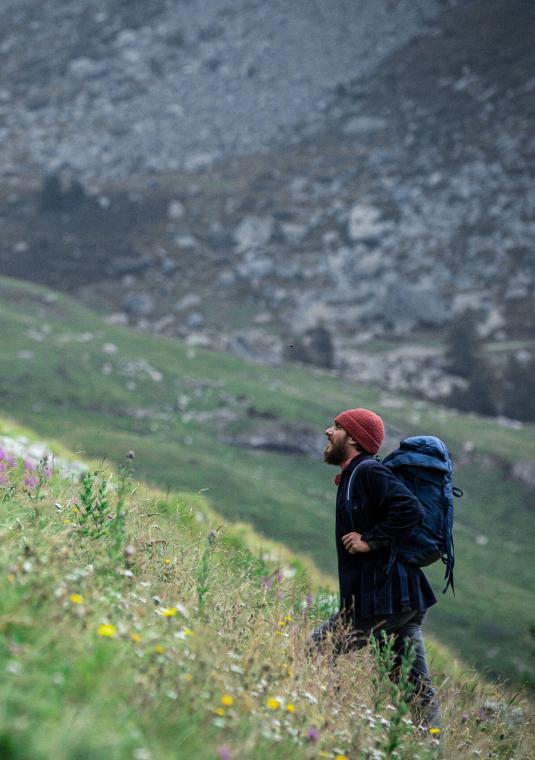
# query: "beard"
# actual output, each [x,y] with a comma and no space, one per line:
[335,453]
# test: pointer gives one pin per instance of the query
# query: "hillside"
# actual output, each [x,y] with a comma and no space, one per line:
[139,625]
[250,439]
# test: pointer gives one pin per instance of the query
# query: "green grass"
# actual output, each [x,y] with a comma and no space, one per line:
[170,644]
[73,391]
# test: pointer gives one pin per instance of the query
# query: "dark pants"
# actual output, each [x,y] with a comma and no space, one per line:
[406,629]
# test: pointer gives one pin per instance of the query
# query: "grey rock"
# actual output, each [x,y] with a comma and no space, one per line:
[365,223]
[175,210]
[253,232]
[406,307]
[138,304]
[360,124]
[524,470]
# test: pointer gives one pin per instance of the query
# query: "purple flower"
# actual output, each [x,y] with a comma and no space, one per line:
[11,461]
[309,600]
[224,752]
[279,577]
[313,734]
[31,481]
[29,465]
[3,480]
[2,454]
[266,582]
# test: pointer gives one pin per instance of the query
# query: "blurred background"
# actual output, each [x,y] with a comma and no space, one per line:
[223,221]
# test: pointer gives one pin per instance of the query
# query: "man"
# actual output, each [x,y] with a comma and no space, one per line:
[377,593]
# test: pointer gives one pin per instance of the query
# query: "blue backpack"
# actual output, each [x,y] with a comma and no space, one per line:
[424,465]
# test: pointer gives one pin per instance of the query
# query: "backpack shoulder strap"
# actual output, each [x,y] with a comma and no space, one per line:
[352,478]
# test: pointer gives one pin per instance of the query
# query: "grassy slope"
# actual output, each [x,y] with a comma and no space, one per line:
[74,391]
[194,683]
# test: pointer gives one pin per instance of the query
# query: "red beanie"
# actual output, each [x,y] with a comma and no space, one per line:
[365,427]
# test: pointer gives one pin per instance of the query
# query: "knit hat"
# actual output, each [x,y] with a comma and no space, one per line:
[365,427]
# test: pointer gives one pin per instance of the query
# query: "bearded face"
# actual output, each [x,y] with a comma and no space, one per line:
[337,449]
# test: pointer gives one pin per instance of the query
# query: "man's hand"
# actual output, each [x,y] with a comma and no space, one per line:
[354,544]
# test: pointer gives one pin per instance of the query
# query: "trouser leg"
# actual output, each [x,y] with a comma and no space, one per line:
[425,705]
[406,628]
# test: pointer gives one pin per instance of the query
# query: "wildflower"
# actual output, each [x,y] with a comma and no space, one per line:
[290,708]
[224,752]
[136,638]
[434,731]
[273,704]
[168,612]
[159,649]
[282,623]
[188,632]
[167,561]
[219,711]
[227,700]
[67,522]
[341,757]
[187,677]
[313,734]
[76,598]
[106,630]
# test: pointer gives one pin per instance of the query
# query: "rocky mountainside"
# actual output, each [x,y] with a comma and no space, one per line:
[113,87]
[353,235]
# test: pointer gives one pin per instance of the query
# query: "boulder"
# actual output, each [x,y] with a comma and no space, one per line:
[138,304]
[364,223]
[406,307]
[253,232]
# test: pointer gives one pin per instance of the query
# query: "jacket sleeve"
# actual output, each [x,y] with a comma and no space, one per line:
[387,496]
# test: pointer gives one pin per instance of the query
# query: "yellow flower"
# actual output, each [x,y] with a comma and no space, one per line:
[272,704]
[77,599]
[159,649]
[434,731]
[188,632]
[67,522]
[289,671]
[282,623]
[227,700]
[290,708]
[106,630]
[219,711]
[136,638]
[187,677]
[341,757]
[167,561]
[278,633]
[75,509]
[288,618]
[169,612]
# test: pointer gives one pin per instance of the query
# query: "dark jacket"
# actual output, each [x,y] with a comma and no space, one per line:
[383,510]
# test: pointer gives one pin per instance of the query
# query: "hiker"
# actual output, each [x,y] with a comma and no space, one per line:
[373,596]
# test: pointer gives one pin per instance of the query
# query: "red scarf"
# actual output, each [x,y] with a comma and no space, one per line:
[342,468]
